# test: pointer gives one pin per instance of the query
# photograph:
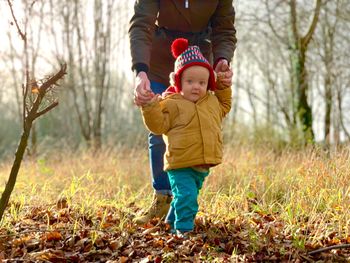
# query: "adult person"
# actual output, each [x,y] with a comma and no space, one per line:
[154,25]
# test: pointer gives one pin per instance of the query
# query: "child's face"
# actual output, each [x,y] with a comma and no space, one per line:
[194,83]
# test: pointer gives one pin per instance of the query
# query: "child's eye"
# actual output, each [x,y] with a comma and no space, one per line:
[189,81]
[202,83]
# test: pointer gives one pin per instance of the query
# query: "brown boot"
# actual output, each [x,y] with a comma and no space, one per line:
[159,208]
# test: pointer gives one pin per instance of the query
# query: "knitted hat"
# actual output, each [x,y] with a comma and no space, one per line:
[187,56]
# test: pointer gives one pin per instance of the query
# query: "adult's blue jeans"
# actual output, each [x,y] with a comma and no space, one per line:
[156,145]
[185,184]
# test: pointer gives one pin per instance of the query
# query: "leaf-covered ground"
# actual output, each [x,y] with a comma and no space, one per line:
[258,206]
[61,234]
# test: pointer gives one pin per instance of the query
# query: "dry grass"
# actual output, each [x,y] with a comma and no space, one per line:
[307,191]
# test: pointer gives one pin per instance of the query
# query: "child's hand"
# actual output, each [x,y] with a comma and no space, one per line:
[156,97]
[221,82]
[153,97]
[220,75]
[147,98]
[223,67]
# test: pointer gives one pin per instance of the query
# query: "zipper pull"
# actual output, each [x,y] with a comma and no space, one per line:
[186,3]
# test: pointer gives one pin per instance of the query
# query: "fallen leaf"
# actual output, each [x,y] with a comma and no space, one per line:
[150,230]
[49,255]
[123,259]
[52,236]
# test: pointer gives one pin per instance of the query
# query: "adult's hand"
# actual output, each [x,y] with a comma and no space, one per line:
[142,92]
[223,67]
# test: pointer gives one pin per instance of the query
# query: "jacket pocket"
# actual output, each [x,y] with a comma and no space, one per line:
[185,148]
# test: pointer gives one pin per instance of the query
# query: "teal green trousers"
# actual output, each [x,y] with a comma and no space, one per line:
[185,185]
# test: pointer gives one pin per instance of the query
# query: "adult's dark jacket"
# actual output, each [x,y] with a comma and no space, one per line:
[155,24]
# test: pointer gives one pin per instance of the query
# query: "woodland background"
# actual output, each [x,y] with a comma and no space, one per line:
[275,100]
[282,192]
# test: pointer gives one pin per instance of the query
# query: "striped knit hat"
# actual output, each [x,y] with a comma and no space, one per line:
[187,56]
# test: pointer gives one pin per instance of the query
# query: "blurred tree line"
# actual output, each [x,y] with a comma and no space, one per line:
[291,69]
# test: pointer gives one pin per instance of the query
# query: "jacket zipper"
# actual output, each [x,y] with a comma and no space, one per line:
[186,4]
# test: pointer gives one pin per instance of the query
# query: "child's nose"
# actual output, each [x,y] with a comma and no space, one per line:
[196,85]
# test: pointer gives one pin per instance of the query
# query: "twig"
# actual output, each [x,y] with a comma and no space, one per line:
[53,105]
[53,79]
[323,249]
[17,260]
[307,258]
[23,36]
[54,230]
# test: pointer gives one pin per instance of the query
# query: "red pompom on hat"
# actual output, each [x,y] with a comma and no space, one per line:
[187,56]
[179,46]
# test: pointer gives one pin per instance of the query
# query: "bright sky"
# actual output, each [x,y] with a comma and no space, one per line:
[47,48]
[121,54]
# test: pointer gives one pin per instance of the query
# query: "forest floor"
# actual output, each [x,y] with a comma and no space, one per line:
[257,206]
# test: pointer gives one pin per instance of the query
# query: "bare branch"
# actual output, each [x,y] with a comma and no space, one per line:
[323,249]
[306,39]
[23,36]
[293,14]
[52,80]
[47,109]
[274,31]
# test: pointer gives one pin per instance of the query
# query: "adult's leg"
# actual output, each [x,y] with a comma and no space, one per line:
[157,148]
[160,180]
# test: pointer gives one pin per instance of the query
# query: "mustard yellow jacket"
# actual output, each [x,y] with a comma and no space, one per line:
[191,131]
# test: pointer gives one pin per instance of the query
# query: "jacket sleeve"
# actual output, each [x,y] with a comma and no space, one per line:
[141,29]
[224,95]
[223,31]
[157,117]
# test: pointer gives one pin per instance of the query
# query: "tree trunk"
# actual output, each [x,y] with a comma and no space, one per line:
[304,110]
[33,113]
[299,47]
[328,110]
[15,167]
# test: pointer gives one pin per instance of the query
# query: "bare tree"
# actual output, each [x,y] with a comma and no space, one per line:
[33,49]
[88,56]
[102,46]
[329,24]
[281,24]
[38,99]
[13,56]
[299,46]
[34,34]
[330,60]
